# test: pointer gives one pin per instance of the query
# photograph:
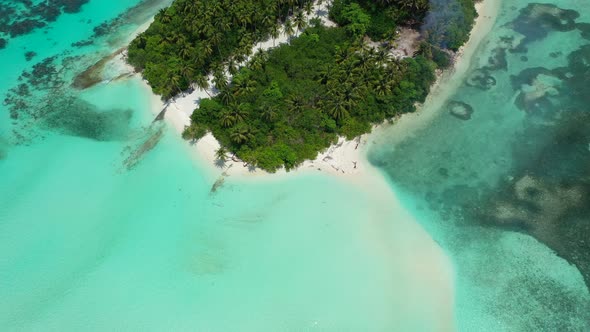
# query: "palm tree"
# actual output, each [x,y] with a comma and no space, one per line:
[207,49]
[239,112]
[299,21]
[266,19]
[241,135]
[185,51]
[187,71]
[288,28]
[226,96]
[269,114]
[382,55]
[341,54]
[222,25]
[382,86]
[203,83]
[258,60]
[412,4]
[192,132]
[291,5]
[324,74]
[141,40]
[275,32]
[174,81]
[243,85]
[221,154]
[227,119]
[338,111]
[232,66]
[309,7]
[295,102]
[364,61]
[219,79]
[164,17]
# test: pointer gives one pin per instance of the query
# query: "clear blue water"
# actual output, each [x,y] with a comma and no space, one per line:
[107,222]
[506,193]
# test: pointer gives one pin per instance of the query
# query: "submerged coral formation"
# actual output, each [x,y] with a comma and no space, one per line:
[22,17]
[512,174]
[460,109]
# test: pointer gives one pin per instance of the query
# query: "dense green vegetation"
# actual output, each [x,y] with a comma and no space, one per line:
[445,23]
[294,101]
[449,23]
[287,104]
[384,14]
[191,38]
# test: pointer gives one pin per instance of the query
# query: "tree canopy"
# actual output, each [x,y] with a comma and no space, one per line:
[306,94]
[190,39]
[285,105]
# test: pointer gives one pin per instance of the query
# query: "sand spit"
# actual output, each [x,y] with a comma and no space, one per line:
[347,159]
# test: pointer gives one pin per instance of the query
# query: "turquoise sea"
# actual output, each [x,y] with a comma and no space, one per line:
[108,222]
[506,190]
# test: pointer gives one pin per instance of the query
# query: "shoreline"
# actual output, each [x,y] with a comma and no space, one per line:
[346,158]
[446,82]
[347,161]
[343,158]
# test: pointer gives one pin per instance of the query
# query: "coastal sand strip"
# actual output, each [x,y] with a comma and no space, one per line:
[347,159]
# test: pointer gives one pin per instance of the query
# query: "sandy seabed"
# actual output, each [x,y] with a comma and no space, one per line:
[348,160]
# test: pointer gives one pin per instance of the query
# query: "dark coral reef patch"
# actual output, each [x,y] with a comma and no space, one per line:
[23,17]
[549,195]
[538,19]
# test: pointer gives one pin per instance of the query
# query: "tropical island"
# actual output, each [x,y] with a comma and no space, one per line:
[277,108]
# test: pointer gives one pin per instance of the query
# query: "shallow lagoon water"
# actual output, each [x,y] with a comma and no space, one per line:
[102,230]
[505,191]
[108,222]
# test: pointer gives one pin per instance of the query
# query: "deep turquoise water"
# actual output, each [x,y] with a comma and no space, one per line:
[108,223]
[507,192]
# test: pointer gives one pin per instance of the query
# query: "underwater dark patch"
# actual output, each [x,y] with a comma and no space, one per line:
[74,117]
[92,75]
[570,85]
[43,101]
[19,18]
[527,76]
[481,79]
[497,60]
[460,110]
[148,140]
[30,55]
[83,43]
[536,183]
[577,77]
[550,191]
[536,20]
[584,30]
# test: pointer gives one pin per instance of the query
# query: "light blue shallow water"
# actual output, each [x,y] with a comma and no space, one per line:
[107,222]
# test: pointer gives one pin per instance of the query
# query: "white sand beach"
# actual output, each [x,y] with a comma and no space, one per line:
[447,82]
[427,264]
[345,157]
